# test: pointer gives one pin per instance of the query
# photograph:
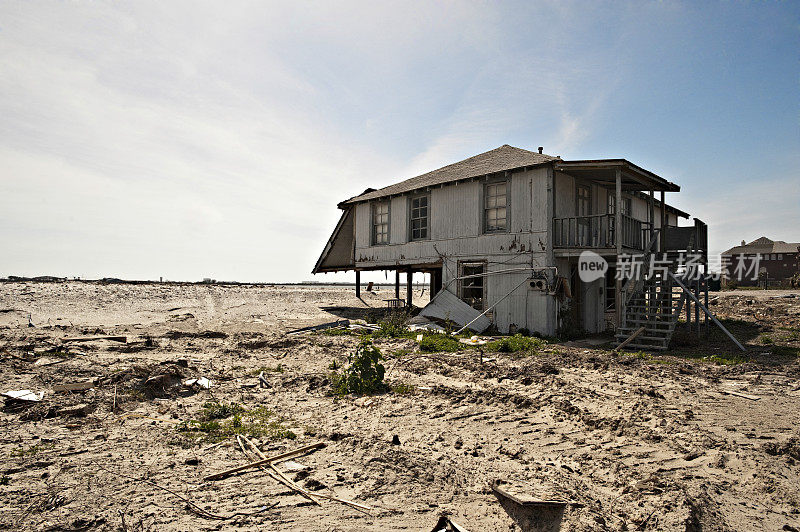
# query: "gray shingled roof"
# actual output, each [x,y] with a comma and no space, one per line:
[764,245]
[503,158]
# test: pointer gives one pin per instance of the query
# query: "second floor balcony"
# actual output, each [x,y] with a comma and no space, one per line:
[599,231]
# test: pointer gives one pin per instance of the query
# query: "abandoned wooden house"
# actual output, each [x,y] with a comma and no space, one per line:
[503,231]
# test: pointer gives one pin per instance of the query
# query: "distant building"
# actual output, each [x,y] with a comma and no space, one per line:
[778,261]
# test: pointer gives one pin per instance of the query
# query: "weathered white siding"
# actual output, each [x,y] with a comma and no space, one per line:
[456,234]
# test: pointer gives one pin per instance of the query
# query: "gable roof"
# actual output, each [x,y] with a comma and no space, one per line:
[764,245]
[497,160]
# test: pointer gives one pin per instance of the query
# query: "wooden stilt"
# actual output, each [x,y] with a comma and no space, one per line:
[409,288]
[358,283]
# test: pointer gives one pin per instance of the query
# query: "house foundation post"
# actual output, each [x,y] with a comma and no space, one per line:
[409,288]
[358,283]
[618,299]
[397,284]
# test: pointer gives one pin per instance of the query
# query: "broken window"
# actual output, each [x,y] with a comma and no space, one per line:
[472,284]
[627,205]
[419,218]
[495,205]
[380,223]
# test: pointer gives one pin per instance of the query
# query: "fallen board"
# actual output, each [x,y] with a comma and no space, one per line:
[123,339]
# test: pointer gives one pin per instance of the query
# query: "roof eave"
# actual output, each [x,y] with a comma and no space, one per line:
[352,201]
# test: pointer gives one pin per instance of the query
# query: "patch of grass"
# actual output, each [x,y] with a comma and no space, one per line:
[785,351]
[363,374]
[267,369]
[727,360]
[720,360]
[32,450]
[516,344]
[218,421]
[219,410]
[403,388]
[765,339]
[640,355]
[440,343]
[339,332]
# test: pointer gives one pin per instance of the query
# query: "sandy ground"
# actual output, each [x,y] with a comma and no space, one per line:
[632,441]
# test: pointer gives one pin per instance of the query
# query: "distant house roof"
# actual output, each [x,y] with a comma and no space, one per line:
[764,245]
[506,158]
[500,159]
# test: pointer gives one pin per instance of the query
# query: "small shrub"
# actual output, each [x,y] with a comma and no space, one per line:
[364,372]
[765,339]
[393,326]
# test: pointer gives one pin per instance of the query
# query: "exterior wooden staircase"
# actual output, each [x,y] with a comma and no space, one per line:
[654,307]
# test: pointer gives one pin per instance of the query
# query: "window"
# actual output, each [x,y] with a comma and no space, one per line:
[627,206]
[419,218]
[380,223]
[612,201]
[472,284]
[780,256]
[495,203]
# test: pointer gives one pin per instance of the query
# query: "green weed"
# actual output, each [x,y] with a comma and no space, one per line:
[364,372]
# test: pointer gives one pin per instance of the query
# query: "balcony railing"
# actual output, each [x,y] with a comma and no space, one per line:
[597,231]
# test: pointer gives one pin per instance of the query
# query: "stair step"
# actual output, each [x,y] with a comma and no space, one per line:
[640,338]
[644,346]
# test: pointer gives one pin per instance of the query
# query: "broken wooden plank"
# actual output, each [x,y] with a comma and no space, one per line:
[274,473]
[629,339]
[740,394]
[123,339]
[524,501]
[74,386]
[282,456]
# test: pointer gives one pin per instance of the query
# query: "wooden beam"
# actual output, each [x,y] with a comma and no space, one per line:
[663,241]
[358,283]
[629,339]
[618,236]
[409,288]
[397,284]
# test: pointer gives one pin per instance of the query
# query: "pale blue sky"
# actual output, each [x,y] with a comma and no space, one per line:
[189,140]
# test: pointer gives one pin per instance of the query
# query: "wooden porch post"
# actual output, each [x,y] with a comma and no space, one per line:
[397,284]
[652,207]
[618,235]
[409,288]
[662,247]
[358,283]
